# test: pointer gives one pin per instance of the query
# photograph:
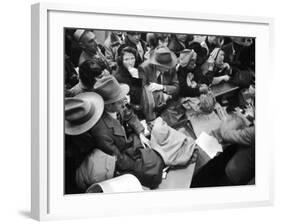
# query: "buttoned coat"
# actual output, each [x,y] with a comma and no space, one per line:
[124,143]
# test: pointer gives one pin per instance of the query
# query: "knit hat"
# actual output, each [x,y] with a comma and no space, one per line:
[78,34]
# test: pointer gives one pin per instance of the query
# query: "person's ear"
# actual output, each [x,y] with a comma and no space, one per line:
[81,45]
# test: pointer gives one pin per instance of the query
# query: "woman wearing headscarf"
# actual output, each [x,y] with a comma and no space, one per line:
[222,70]
[191,79]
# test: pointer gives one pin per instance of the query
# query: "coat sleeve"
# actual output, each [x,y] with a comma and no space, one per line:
[143,74]
[173,87]
[132,119]
[244,136]
[106,144]
[203,79]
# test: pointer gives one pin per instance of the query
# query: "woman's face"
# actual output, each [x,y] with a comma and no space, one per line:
[129,60]
[220,58]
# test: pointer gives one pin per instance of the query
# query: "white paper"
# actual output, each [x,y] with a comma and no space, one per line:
[205,122]
[209,144]
[124,183]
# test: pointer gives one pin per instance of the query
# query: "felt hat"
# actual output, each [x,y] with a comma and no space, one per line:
[78,34]
[82,112]
[162,56]
[110,89]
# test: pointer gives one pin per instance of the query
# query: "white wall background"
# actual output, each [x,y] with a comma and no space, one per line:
[15,111]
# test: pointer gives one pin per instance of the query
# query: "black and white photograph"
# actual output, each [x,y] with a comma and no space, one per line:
[149,111]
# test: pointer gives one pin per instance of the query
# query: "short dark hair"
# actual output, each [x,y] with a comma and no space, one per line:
[89,70]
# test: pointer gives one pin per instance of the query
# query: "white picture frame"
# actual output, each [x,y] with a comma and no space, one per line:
[48,201]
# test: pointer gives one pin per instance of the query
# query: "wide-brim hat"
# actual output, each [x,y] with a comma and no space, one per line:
[110,89]
[164,57]
[78,34]
[82,112]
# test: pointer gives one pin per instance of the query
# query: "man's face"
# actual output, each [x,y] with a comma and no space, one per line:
[243,41]
[181,37]
[89,43]
[119,105]
[212,39]
[134,37]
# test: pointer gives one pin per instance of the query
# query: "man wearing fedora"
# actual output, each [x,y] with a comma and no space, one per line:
[159,71]
[120,133]
[159,75]
[82,112]
[86,40]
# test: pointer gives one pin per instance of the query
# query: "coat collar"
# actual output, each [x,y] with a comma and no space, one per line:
[110,122]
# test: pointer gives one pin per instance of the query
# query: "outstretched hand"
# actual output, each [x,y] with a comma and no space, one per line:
[144,141]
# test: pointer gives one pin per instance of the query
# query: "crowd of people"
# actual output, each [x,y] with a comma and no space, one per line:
[117,87]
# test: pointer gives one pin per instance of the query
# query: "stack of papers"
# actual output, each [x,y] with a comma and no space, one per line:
[209,144]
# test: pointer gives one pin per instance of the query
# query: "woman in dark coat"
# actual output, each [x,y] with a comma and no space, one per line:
[191,79]
[222,70]
[127,73]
